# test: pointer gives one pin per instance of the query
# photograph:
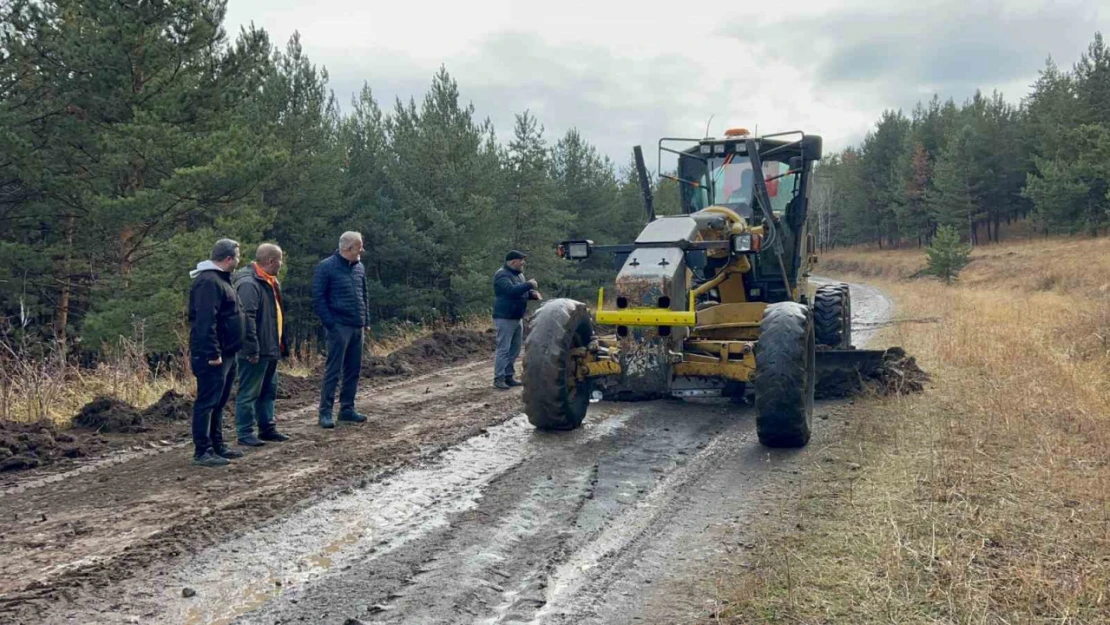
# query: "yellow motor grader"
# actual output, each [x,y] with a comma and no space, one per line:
[712,302]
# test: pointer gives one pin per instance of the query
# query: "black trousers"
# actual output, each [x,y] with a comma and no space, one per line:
[344,361]
[213,388]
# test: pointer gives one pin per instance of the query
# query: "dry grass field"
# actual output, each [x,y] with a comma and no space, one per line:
[987,498]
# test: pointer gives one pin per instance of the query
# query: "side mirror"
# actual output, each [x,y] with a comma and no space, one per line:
[811,147]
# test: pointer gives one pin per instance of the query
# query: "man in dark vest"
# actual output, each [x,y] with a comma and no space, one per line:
[511,294]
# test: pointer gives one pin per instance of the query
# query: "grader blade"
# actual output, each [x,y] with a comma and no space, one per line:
[843,372]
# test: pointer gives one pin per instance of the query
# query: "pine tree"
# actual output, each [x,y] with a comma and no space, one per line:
[135,153]
[952,203]
[882,150]
[914,218]
[528,211]
[947,255]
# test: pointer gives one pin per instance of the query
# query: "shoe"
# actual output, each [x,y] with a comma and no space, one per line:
[501,384]
[250,441]
[273,436]
[228,453]
[352,417]
[512,381]
[209,459]
[326,421]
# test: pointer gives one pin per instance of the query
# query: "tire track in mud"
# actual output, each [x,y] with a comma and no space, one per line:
[94,530]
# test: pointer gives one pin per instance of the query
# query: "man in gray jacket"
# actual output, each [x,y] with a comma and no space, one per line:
[263,345]
[511,294]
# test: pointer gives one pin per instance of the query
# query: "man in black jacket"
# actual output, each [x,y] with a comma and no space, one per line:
[511,295]
[215,335]
[339,297]
[263,321]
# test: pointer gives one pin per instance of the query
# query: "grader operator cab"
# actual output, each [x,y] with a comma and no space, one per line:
[712,302]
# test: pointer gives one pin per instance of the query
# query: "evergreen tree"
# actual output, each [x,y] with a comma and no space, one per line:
[882,150]
[947,255]
[952,203]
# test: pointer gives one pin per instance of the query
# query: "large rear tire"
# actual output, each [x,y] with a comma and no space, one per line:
[832,316]
[553,399]
[785,367]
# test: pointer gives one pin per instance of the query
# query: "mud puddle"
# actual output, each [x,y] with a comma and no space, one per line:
[242,575]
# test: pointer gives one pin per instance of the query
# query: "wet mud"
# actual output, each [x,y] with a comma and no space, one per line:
[30,445]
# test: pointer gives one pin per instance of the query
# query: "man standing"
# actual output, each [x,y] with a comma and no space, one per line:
[215,335]
[339,297]
[511,295]
[263,320]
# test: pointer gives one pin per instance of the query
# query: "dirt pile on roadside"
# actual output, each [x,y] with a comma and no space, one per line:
[108,414]
[296,387]
[172,406]
[436,350]
[28,445]
[897,373]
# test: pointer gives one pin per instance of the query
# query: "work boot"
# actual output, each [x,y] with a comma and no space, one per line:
[501,384]
[209,459]
[273,436]
[326,421]
[228,453]
[250,440]
[352,417]
[512,381]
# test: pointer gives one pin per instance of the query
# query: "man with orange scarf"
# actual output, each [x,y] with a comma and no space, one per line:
[260,296]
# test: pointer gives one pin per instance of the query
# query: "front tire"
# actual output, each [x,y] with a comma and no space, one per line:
[785,367]
[832,316]
[553,398]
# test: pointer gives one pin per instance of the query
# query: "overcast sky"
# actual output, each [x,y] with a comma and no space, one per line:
[630,72]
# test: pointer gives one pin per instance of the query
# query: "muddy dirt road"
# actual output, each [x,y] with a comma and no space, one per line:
[446,507]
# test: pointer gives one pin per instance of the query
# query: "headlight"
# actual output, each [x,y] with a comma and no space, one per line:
[574,250]
[742,243]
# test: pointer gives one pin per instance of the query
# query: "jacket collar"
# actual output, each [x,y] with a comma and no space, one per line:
[344,260]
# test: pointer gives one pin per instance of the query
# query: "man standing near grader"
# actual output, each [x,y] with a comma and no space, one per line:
[511,295]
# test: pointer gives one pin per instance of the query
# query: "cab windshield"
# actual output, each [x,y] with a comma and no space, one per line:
[732,185]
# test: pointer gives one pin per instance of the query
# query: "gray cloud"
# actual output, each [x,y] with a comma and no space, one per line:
[902,55]
[615,101]
[831,73]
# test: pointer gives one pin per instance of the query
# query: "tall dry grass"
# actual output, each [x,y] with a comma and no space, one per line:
[40,383]
[985,500]
[1061,265]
